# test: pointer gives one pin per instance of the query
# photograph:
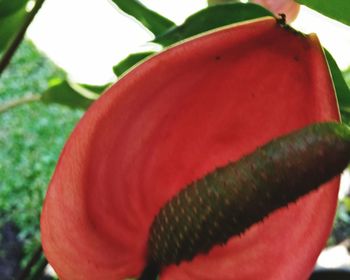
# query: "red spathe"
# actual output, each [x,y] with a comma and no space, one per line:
[171,120]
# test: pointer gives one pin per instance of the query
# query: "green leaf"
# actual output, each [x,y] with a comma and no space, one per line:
[336,9]
[341,88]
[97,89]
[210,18]
[346,74]
[71,94]
[9,27]
[130,61]
[8,7]
[153,21]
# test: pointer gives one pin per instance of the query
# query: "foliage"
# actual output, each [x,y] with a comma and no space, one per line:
[341,88]
[9,7]
[129,62]
[154,22]
[211,18]
[346,74]
[336,9]
[31,138]
[9,23]
[207,19]
[341,228]
[62,92]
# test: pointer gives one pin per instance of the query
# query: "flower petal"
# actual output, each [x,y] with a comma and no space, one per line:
[171,120]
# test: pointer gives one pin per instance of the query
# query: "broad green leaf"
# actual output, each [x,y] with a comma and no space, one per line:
[71,94]
[336,9]
[341,88]
[210,18]
[130,61]
[153,21]
[8,7]
[9,26]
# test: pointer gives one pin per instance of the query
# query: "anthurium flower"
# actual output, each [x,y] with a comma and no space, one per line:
[171,120]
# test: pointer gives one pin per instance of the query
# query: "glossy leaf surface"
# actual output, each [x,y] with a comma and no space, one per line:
[129,62]
[153,21]
[72,95]
[9,26]
[341,88]
[8,7]
[210,18]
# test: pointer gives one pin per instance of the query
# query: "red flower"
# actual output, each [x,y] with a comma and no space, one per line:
[171,120]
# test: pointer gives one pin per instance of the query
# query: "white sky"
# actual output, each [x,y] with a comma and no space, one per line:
[87,37]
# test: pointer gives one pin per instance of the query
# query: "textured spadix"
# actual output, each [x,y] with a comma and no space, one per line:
[170,121]
[231,198]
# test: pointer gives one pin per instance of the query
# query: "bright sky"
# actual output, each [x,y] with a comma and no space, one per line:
[87,37]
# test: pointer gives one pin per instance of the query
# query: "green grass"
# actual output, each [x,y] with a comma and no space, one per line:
[31,138]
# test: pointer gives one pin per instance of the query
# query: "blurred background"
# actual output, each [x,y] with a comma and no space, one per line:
[72,50]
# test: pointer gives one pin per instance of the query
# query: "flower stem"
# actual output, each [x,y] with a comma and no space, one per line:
[5,60]
[17,102]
